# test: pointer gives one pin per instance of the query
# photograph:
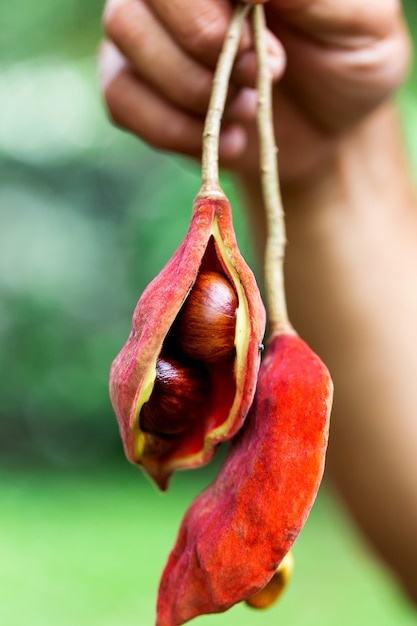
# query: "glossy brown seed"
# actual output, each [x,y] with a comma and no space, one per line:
[205,327]
[179,398]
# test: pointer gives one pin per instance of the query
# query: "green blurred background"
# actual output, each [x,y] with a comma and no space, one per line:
[88,215]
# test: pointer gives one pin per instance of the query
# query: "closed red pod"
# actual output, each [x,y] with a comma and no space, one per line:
[236,532]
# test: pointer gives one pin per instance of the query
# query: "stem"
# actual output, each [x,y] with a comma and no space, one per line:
[211,134]
[276,239]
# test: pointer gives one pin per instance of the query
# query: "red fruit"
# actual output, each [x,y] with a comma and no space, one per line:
[237,531]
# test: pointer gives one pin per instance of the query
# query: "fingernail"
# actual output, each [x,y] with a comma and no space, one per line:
[276,56]
[276,66]
[110,63]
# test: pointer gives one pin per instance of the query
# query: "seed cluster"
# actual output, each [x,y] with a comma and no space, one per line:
[202,335]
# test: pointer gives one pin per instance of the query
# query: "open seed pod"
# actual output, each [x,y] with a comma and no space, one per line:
[185,379]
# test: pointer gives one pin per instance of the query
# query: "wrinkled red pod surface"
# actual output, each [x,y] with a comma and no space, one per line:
[210,245]
[237,531]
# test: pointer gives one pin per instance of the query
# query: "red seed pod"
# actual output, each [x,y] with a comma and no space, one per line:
[209,249]
[236,532]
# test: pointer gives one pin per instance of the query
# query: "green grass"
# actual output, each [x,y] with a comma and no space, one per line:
[87,550]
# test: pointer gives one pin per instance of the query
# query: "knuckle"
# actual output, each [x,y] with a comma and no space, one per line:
[394,61]
[387,64]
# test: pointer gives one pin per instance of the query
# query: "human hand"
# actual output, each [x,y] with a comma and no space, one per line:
[337,62]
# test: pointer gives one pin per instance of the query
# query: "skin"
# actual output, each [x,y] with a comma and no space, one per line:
[350,205]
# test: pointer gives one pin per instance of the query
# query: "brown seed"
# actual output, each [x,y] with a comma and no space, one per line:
[205,326]
[179,398]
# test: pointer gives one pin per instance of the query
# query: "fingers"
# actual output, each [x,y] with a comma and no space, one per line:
[134,105]
[175,45]
[157,73]
[200,28]
[157,59]
[169,66]
[137,107]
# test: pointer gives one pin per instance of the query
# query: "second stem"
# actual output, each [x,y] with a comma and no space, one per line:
[275,223]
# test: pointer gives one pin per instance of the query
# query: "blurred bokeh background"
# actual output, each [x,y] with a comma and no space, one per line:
[88,215]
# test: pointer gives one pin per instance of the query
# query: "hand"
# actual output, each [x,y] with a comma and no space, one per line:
[336,61]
